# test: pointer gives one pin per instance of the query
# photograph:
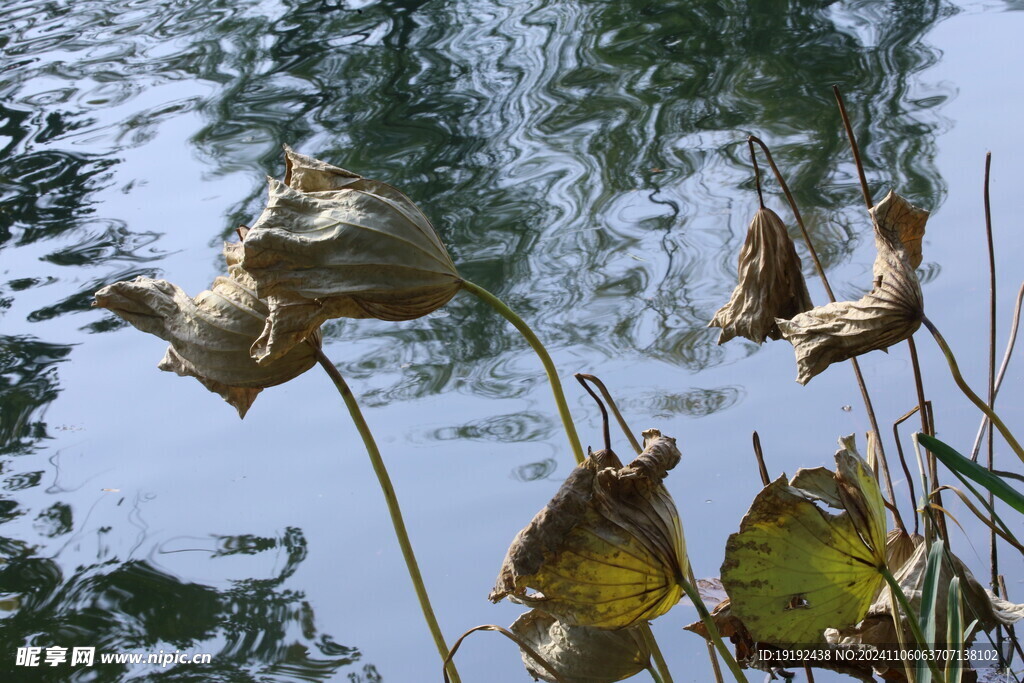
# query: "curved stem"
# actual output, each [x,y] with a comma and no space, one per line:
[659,672]
[614,408]
[393,508]
[861,384]
[928,428]
[549,366]
[1002,368]
[523,645]
[712,627]
[958,378]
[654,674]
[757,173]
[604,411]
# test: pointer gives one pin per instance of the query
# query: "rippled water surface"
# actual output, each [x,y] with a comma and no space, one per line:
[583,160]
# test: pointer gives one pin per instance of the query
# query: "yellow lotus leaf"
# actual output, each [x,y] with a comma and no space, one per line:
[608,550]
[908,566]
[888,314]
[331,244]
[581,654]
[771,283]
[210,335]
[795,569]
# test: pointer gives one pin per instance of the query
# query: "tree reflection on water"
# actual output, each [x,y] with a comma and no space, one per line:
[582,160]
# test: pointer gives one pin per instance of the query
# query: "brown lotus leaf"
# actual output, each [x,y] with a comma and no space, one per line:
[729,626]
[899,548]
[888,314]
[210,335]
[306,174]
[771,283]
[331,244]
[751,654]
[581,654]
[608,550]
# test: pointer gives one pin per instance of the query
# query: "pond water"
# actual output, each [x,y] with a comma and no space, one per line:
[586,162]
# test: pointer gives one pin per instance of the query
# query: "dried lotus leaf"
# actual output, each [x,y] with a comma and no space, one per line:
[771,283]
[902,225]
[363,250]
[581,654]
[900,547]
[860,496]
[877,626]
[210,335]
[608,550]
[306,174]
[890,313]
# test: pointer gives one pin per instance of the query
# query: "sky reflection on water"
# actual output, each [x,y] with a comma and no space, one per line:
[585,161]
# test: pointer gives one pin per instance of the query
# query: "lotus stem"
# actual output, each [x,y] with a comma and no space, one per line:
[659,672]
[861,384]
[710,646]
[717,670]
[928,428]
[958,378]
[395,511]
[614,408]
[523,645]
[993,545]
[605,430]
[1002,368]
[865,192]
[545,358]
[903,463]
[712,627]
[919,386]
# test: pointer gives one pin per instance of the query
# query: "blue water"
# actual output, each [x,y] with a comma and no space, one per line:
[585,161]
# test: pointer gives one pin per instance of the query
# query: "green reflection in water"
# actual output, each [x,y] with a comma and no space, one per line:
[255,629]
[571,153]
[581,160]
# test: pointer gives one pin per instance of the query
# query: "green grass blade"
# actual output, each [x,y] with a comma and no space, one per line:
[958,463]
[954,631]
[929,593]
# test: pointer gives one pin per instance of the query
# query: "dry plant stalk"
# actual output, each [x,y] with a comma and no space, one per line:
[891,312]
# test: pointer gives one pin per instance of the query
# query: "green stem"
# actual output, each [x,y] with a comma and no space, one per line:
[663,675]
[549,366]
[654,674]
[395,511]
[712,627]
[958,378]
[911,619]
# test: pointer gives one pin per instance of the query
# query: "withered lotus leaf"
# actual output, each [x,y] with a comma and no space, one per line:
[771,283]
[877,626]
[211,334]
[608,550]
[900,547]
[331,244]
[795,569]
[581,654]
[888,314]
